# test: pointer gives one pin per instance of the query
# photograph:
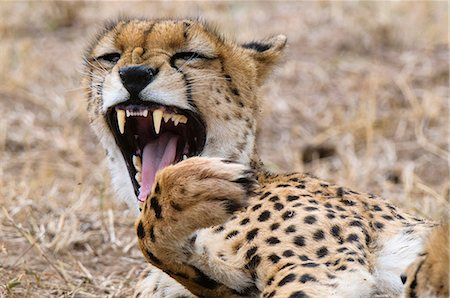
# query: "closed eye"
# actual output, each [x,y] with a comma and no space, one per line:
[111,57]
[188,56]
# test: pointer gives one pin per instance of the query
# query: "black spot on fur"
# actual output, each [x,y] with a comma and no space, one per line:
[253,263]
[340,208]
[348,202]
[274,226]
[379,225]
[274,199]
[292,198]
[331,215]
[322,252]
[157,188]
[288,214]
[387,217]
[278,206]
[256,207]
[310,265]
[265,195]
[310,219]
[318,235]
[152,234]
[304,258]
[287,279]
[352,238]
[274,258]
[252,234]
[306,277]
[356,223]
[341,249]
[219,229]
[310,208]
[288,265]
[290,229]
[251,252]
[231,234]
[154,204]
[299,241]
[244,221]
[140,230]
[342,268]
[152,257]
[335,231]
[273,240]
[288,253]
[340,192]
[298,294]
[264,216]
[283,185]
[376,208]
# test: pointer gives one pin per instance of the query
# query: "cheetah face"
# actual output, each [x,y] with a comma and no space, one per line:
[162,91]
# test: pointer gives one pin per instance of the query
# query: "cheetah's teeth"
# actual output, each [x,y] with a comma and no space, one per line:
[138,177]
[137,163]
[184,157]
[157,117]
[176,119]
[167,117]
[183,119]
[121,120]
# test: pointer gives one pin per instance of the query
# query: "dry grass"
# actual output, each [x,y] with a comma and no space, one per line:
[360,100]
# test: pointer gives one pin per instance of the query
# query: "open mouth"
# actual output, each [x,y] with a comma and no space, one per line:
[152,137]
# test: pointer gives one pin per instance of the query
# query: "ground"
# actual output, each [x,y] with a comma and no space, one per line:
[360,99]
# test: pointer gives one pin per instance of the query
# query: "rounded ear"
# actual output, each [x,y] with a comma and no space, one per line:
[265,53]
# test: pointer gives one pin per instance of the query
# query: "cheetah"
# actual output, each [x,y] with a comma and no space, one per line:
[428,276]
[175,104]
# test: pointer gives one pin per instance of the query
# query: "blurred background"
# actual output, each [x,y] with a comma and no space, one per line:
[360,99]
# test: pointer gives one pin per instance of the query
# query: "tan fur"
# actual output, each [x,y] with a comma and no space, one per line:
[429,275]
[220,224]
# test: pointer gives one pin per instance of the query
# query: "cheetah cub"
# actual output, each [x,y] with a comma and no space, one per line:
[175,105]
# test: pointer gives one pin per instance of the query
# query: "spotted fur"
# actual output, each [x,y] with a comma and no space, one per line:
[220,225]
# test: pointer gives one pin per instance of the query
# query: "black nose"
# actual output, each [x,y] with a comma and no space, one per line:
[136,78]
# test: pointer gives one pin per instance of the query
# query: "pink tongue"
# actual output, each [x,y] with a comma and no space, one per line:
[157,154]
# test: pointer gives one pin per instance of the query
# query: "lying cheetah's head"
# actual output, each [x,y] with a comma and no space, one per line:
[160,91]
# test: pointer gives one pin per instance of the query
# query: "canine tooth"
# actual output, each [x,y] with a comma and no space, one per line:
[137,163]
[157,116]
[183,119]
[128,113]
[167,117]
[138,177]
[121,120]
[184,157]
[145,113]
